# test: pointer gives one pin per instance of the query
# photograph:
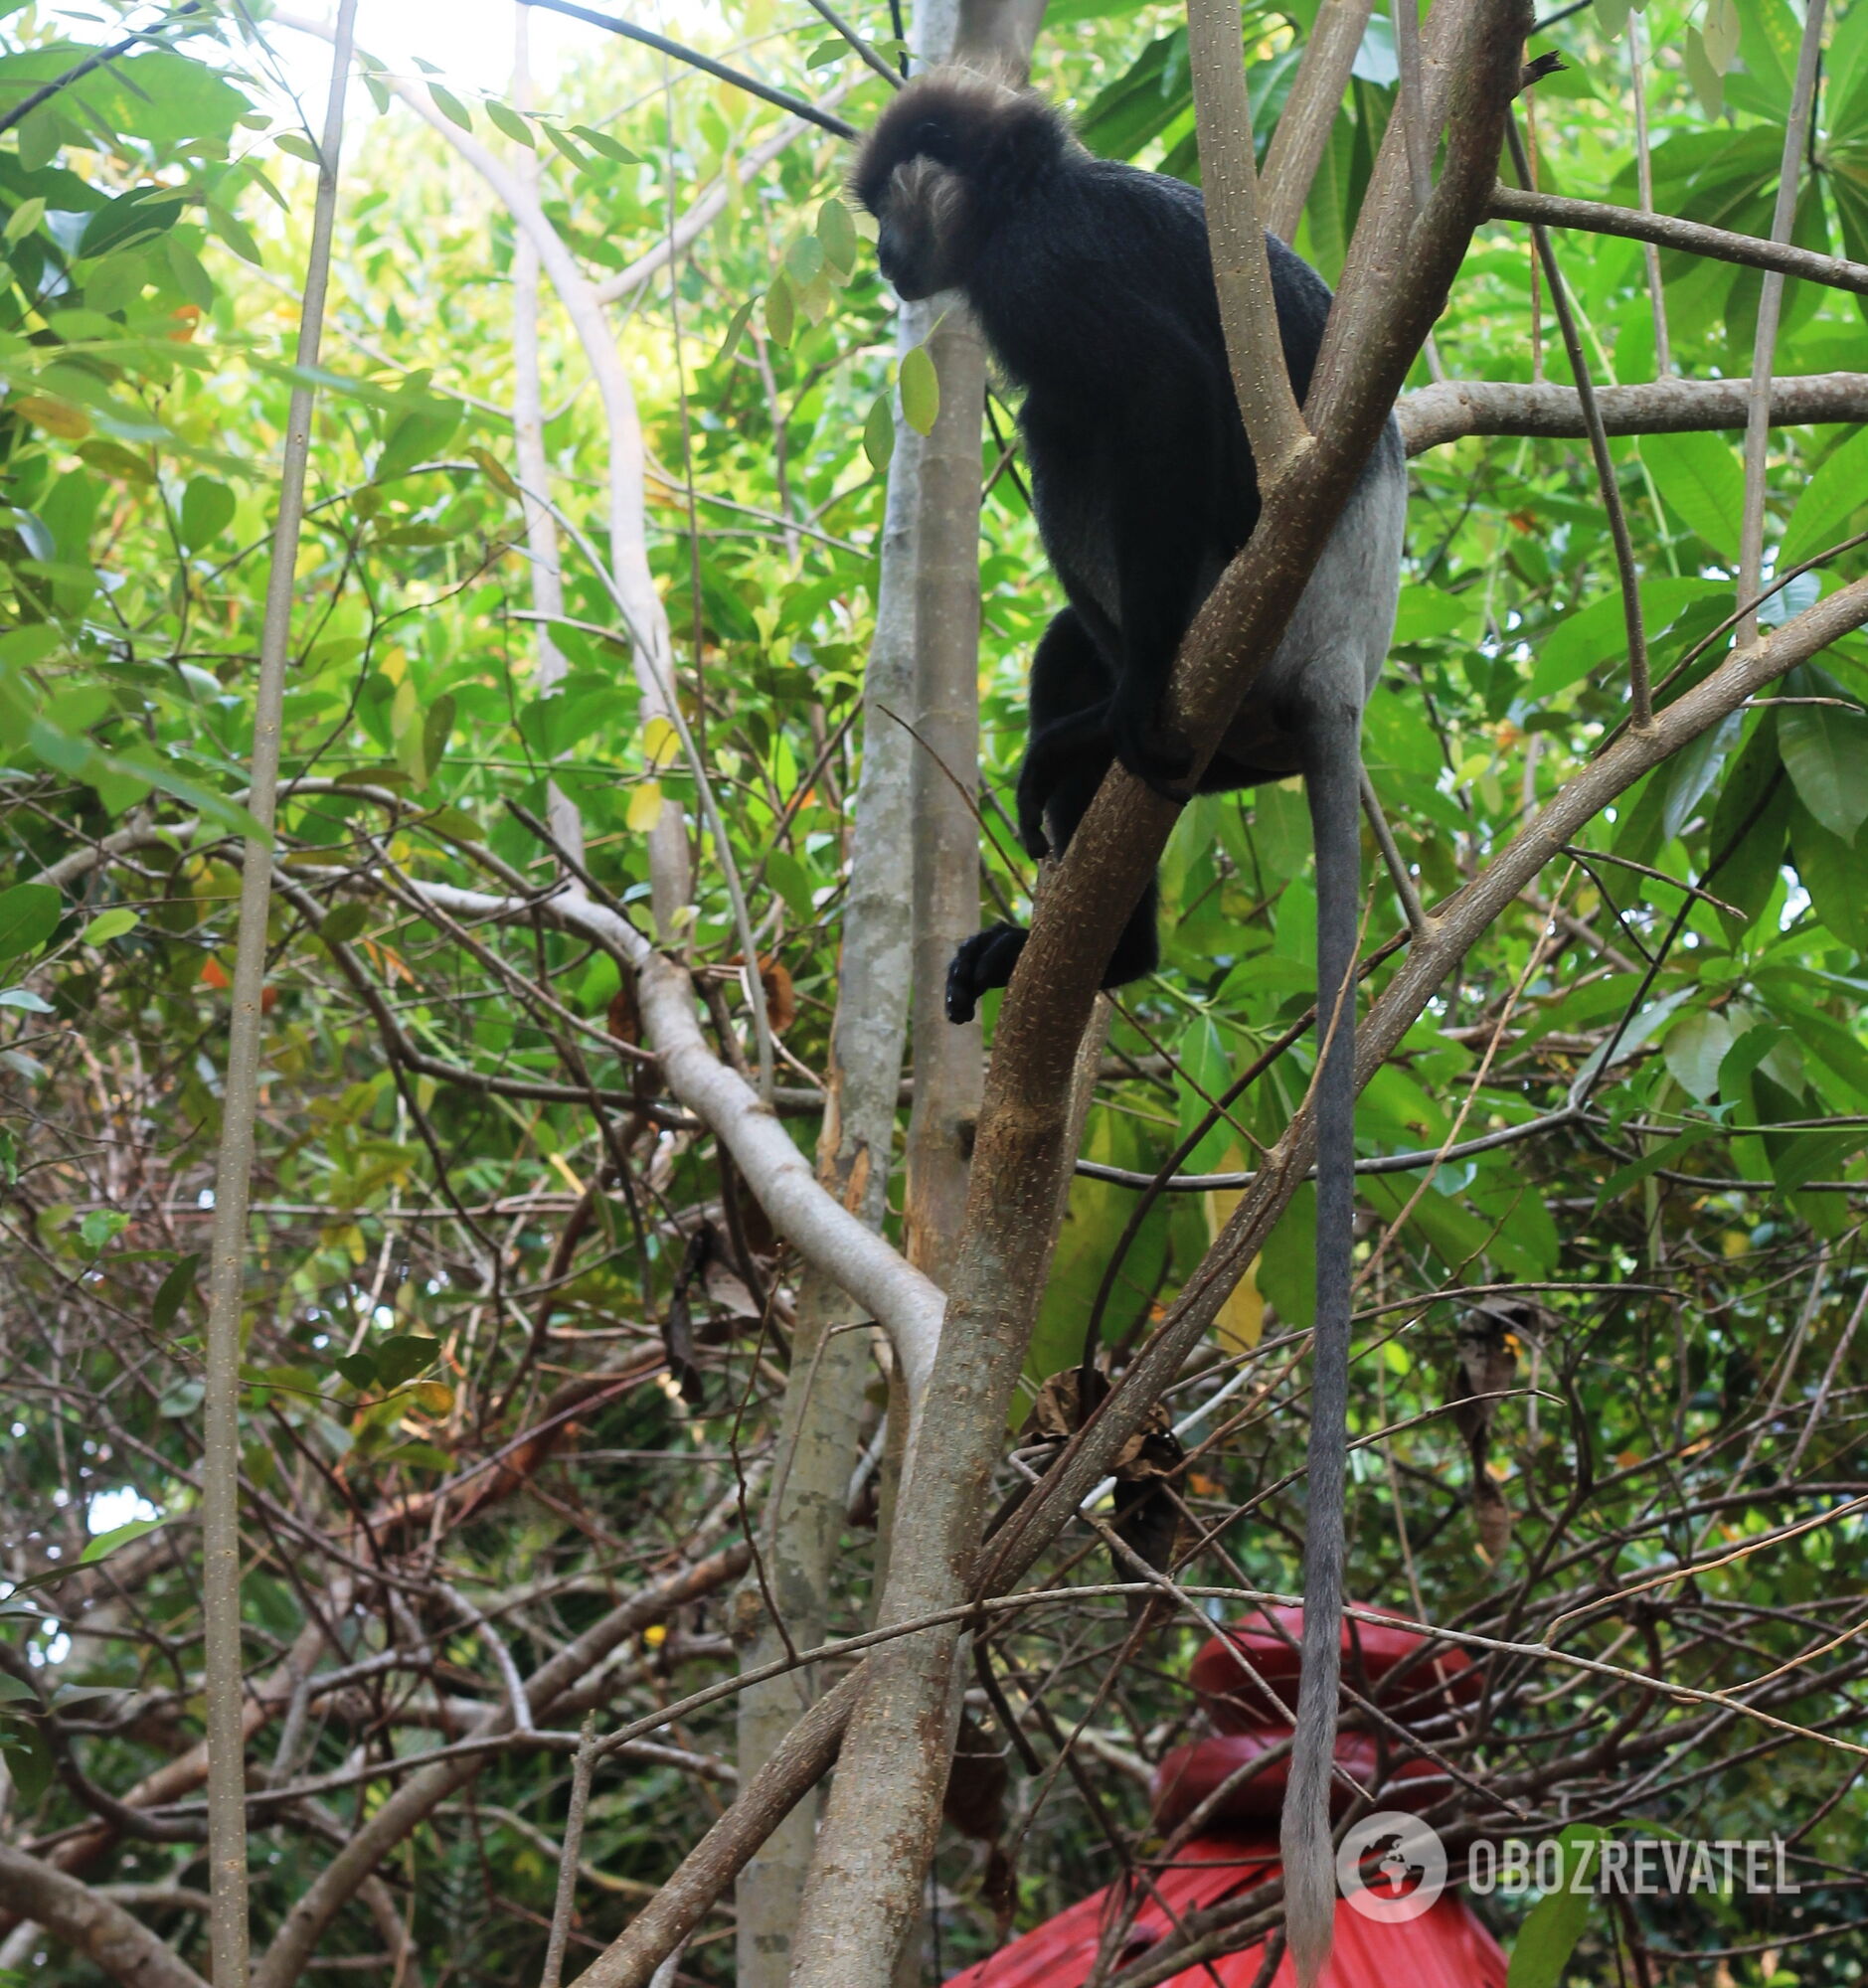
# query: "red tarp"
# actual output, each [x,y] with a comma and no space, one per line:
[1445,1947]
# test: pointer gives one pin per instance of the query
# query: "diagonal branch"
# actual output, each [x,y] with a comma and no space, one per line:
[1667,231]
[98,1927]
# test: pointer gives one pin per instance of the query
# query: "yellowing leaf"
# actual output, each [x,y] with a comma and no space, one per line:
[661,743]
[55,417]
[645,807]
[1240,1319]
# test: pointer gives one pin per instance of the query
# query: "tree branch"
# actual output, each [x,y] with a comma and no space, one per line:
[1437,415]
[99,1928]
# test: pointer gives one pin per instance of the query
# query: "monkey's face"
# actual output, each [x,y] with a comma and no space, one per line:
[921,239]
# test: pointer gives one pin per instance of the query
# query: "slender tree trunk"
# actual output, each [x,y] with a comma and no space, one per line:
[820,1419]
[950,1061]
[223,1660]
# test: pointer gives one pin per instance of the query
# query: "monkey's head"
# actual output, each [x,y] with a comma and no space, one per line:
[948,156]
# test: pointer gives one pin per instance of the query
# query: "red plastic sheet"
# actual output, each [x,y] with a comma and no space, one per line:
[1445,1947]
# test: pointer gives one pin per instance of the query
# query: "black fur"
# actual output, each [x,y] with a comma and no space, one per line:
[1092,284]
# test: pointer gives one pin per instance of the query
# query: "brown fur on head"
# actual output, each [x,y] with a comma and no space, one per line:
[946,156]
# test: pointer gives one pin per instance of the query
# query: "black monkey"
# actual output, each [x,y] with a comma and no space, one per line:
[1092,284]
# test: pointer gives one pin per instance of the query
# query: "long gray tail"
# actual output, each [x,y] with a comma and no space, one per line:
[1332,779]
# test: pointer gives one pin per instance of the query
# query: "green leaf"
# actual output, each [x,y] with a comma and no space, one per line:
[504,119]
[344,924]
[450,107]
[174,1291]
[736,330]
[804,259]
[404,1355]
[101,1226]
[26,1000]
[181,1399]
[417,434]
[114,924]
[600,141]
[29,916]
[24,218]
[1556,1923]
[1835,877]
[106,1544]
[1829,501]
[359,1369]
[879,434]
[28,1758]
[1701,479]
[837,232]
[235,233]
[207,510]
[1825,752]
[788,877]
[435,729]
[298,146]
[1287,1265]
[921,391]
[572,152]
[1707,85]
[780,311]
[827,53]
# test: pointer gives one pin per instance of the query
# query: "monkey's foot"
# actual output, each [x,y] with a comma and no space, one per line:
[983,962]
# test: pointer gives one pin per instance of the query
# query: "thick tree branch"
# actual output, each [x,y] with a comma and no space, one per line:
[99,1928]
[1455,408]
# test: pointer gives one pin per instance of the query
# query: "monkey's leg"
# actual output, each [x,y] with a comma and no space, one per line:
[986,959]
[1333,777]
[1069,689]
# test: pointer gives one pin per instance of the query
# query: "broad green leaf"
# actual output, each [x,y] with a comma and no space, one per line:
[174,1291]
[450,107]
[403,1356]
[508,120]
[344,924]
[235,233]
[108,926]
[1595,636]
[1695,1048]
[1287,1264]
[1829,502]
[1835,877]
[1825,752]
[29,916]
[1556,1923]
[1701,479]
[600,141]
[24,1000]
[106,1544]
[208,507]
[790,878]
[921,390]
[837,232]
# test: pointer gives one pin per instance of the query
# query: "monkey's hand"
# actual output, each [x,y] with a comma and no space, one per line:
[1161,761]
[981,964]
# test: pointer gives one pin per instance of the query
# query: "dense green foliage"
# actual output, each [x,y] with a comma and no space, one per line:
[1689,1231]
